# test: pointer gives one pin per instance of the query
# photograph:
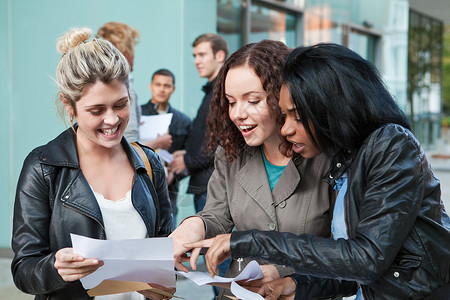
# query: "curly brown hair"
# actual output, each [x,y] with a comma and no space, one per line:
[266,59]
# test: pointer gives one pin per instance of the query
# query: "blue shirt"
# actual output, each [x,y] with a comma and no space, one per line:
[338,225]
[273,172]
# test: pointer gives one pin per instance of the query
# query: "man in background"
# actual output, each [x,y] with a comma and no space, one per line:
[162,86]
[125,38]
[210,52]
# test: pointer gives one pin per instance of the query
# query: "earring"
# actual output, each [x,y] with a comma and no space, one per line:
[71,119]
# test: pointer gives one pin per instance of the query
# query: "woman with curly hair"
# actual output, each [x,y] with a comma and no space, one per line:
[257,182]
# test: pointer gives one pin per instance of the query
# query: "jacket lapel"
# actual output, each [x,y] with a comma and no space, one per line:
[79,196]
[288,182]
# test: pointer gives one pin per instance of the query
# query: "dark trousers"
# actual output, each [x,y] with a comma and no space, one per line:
[199,201]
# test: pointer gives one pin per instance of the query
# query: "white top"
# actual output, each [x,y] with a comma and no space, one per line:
[121,221]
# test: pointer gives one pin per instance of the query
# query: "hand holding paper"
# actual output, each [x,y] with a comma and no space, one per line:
[251,272]
[130,264]
[219,250]
[142,260]
[72,266]
[152,126]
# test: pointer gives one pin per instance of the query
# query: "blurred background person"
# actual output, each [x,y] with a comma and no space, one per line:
[162,87]
[125,39]
[210,52]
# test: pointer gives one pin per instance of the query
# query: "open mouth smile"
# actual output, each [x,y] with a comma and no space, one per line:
[109,131]
[247,128]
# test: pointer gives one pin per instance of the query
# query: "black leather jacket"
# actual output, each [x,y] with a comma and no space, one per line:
[53,199]
[399,232]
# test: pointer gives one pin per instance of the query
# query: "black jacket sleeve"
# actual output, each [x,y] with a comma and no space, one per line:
[33,264]
[309,287]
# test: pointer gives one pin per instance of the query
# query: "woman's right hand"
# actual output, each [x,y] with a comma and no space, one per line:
[283,288]
[72,266]
[189,231]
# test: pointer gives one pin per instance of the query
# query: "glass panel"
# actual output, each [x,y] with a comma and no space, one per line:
[271,24]
[229,22]
[363,44]
[320,27]
[424,75]
[296,3]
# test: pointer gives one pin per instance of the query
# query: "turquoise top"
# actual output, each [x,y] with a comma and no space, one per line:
[273,172]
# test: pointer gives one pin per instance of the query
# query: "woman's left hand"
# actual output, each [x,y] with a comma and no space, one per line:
[219,250]
[156,296]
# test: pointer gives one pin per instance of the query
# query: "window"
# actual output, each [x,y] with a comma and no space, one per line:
[240,23]
[361,40]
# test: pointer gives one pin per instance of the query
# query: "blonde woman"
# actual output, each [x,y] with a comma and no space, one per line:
[88,180]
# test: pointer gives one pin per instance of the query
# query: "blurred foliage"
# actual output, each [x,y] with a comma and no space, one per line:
[446,72]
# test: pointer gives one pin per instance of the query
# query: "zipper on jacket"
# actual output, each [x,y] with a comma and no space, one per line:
[84,214]
[240,260]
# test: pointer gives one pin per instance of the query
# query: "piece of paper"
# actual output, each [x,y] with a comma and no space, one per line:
[243,293]
[152,126]
[142,260]
[165,155]
[252,271]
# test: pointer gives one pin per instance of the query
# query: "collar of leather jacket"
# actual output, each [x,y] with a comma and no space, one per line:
[341,161]
[62,151]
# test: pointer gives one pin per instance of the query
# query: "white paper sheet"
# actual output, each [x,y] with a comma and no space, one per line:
[165,155]
[243,293]
[143,260]
[252,271]
[151,126]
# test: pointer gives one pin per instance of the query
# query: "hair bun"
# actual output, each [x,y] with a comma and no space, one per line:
[72,38]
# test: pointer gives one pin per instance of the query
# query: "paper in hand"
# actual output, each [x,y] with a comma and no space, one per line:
[152,126]
[142,260]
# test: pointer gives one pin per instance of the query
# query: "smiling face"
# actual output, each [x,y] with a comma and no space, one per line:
[293,128]
[102,114]
[248,108]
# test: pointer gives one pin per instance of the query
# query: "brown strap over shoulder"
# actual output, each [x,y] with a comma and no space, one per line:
[144,158]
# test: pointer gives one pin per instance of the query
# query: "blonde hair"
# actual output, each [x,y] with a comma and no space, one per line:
[120,35]
[84,62]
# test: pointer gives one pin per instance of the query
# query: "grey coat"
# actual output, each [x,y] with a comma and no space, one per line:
[239,196]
